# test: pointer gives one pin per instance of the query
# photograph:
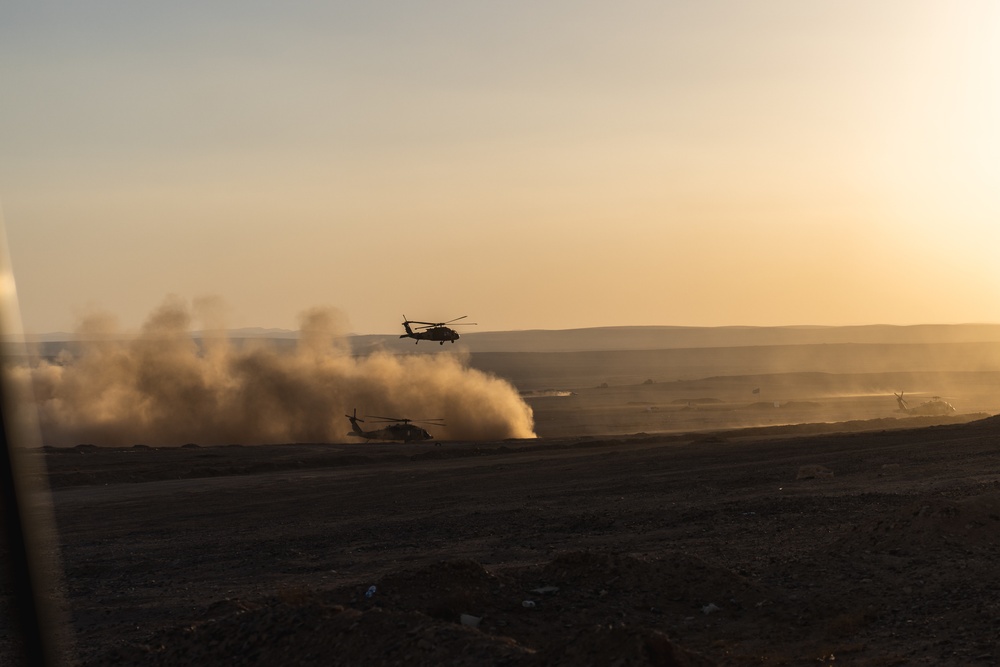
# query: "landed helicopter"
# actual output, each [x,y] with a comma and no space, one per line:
[933,408]
[398,429]
[435,331]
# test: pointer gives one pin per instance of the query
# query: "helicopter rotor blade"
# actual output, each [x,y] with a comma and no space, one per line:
[442,324]
[436,324]
[433,422]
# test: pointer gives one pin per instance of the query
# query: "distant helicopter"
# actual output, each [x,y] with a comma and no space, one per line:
[398,429]
[933,408]
[436,331]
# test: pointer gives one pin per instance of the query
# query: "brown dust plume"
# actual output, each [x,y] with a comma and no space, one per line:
[164,388]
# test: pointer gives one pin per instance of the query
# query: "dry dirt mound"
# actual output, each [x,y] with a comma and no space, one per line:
[315,633]
[682,583]
[444,591]
[969,523]
[455,613]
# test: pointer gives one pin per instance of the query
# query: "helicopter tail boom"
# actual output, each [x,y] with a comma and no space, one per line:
[355,429]
[406,325]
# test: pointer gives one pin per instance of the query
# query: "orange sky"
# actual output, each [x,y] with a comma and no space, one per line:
[573,165]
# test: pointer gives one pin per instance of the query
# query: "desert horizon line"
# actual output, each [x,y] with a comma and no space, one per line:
[264,332]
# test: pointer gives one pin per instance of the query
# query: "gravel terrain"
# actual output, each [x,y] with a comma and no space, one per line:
[783,547]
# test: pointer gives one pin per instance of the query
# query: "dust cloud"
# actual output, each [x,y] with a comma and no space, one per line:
[163,387]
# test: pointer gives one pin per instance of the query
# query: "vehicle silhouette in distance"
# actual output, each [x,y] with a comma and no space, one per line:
[433,331]
[401,430]
[935,407]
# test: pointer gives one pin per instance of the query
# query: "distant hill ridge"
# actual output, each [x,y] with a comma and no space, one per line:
[674,337]
[643,337]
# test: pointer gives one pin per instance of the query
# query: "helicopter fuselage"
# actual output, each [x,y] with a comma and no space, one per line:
[437,334]
[936,407]
[403,431]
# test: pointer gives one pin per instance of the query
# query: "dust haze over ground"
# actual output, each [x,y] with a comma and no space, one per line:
[679,506]
[747,383]
[161,387]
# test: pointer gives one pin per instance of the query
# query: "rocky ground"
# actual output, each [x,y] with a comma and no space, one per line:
[789,547]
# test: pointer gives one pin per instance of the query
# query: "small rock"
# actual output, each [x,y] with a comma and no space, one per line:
[813,472]
[470,620]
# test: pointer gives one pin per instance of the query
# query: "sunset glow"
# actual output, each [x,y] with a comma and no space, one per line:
[562,166]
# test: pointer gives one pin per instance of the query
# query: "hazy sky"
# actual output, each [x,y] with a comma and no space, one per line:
[532,165]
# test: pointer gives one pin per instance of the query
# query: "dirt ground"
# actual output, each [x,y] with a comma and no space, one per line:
[781,547]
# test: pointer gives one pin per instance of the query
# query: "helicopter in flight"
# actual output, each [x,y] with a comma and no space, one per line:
[434,331]
[933,408]
[403,430]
